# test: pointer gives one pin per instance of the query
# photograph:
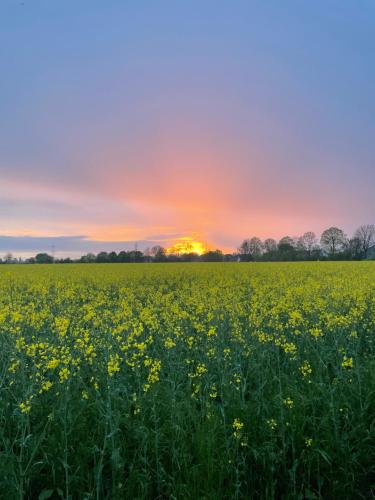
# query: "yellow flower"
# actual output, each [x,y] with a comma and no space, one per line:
[238,426]
[54,363]
[13,367]
[199,371]
[289,348]
[153,375]
[347,362]
[61,325]
[308,442]
[288,402]
[113,365]
[213,391]
[25,407]
[196,389]
[211,332]
[226,352]
[272,423]
[46,386]
[316,332]
[169,343]
[305,369]
[64,374]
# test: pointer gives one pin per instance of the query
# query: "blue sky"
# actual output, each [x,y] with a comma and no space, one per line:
[130,121]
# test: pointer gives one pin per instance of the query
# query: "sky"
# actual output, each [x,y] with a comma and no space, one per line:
[128,123]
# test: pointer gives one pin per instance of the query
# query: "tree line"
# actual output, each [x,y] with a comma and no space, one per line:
[333,244]
[154,254]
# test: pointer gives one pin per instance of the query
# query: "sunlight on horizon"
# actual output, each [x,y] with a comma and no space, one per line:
[187,244]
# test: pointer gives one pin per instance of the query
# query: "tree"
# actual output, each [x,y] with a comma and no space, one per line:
[189,257]
[366,236]
[307,242]
[333,240]
[136,256]
[286,244]
[158,253]
[270,245]
[255,247]
[112,257]
[251,248]
[353,248]
[286,249]
[102,257]
[8,259]
[244,250]
[213,256]
[88,259]
[43,258]
[123,256]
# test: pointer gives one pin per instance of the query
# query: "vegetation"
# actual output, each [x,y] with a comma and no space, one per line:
[183,381]
[334,245]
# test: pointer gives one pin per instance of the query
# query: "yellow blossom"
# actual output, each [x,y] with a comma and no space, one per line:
[288,402]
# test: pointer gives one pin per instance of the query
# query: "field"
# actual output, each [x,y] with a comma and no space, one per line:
[187,381]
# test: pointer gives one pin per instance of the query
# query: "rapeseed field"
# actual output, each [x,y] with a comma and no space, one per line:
[187,381]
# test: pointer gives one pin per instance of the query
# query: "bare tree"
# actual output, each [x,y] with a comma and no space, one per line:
[256,247]
[244,249]
[308,242]
[366,236]
[9,259]
[333,240]
[155,250]
[270,245]
[354,248]
[251,248]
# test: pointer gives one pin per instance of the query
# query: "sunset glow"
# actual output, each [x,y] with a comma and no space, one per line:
[187,245]
[168,125]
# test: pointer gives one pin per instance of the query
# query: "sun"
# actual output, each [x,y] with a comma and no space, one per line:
[187,244]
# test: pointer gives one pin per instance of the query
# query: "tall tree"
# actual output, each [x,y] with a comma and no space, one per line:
[353,248]
[112,257]
[8,259]
[366,236]
[251,248]
[270,245]
[213,256]
[244,250]
[43,258]
[286,244]
[333,240]
[158,253]
[286,249]
[102,257]
[123,256]
[307,242]
[255,247]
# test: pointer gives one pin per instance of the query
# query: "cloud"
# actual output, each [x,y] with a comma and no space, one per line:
[65,245]
[141,134]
